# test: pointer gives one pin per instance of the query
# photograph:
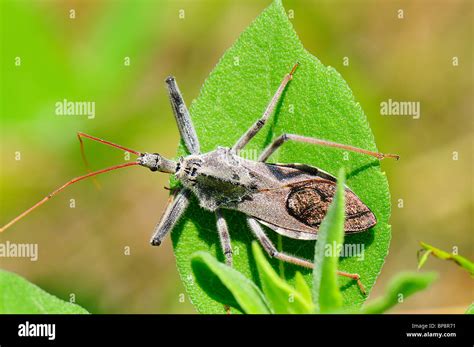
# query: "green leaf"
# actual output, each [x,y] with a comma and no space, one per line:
[470,309]
[317,103]
[423,259]
[326,293]
[400,288]
[226,285]
[461,261]
[302,287]
[19,296]
[281,297]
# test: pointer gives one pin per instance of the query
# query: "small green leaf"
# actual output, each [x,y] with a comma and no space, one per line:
[470,309]
[18,296]
[226,285]
[423,259]
[281,297]
[326,293]
[461,261]
[400,288]
[302,287]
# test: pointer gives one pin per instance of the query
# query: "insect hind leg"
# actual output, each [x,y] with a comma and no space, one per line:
[280,140]
[274,253]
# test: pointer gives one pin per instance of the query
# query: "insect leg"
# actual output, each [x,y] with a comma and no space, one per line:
[224,237]
[274,253]
[175,209]
[183,119]
[226,246]
[280,140]
[255,128]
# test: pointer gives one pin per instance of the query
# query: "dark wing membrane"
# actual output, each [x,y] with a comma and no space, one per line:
[297,208]
[309,201]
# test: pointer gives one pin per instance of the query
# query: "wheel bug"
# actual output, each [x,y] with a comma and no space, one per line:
[291,199]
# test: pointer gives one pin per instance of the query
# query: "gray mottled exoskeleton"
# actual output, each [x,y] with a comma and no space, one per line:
[291,199]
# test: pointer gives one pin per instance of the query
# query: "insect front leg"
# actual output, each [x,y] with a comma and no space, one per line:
[183,119]
[280,140]
[272,251]
[224,237]
[174,210]
[255,128]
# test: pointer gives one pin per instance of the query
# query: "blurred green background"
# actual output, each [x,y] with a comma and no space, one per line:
[82,249]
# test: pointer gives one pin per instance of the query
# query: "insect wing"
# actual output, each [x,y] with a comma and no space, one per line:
[309,201]
[297,209]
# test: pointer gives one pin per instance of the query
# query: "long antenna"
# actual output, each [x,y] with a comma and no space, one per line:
[108,143]
[80,135]
[74,180]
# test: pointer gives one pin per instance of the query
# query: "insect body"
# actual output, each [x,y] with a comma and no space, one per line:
[291,199]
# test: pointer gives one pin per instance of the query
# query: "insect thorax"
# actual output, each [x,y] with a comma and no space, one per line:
[218,178]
